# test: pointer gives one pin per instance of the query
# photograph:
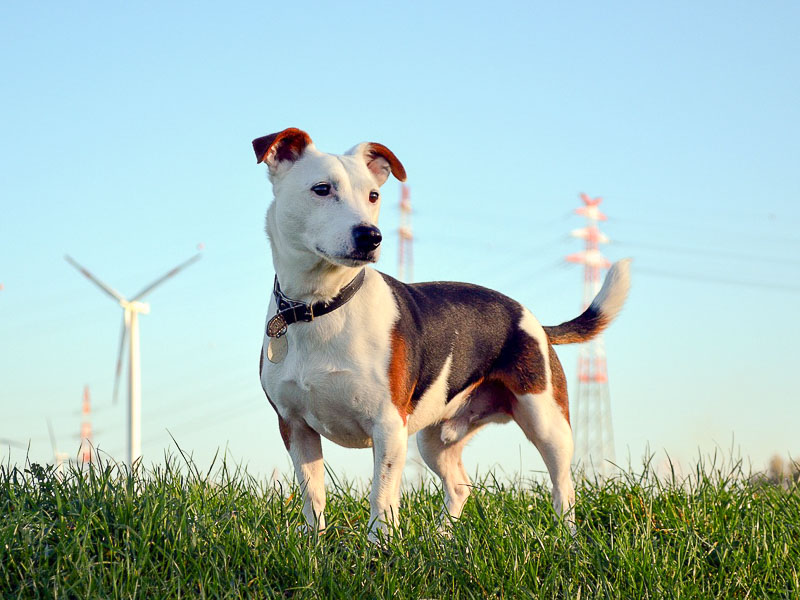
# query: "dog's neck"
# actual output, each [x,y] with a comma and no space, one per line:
[304,276]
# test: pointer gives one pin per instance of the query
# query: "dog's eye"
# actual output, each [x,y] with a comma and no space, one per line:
[373,197]
[322,189]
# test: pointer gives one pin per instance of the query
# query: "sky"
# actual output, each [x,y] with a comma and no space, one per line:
[126,142]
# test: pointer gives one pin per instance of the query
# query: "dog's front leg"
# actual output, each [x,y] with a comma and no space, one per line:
[390,442]
[305,448]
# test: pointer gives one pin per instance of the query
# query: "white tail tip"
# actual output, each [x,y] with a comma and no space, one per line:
[612,295]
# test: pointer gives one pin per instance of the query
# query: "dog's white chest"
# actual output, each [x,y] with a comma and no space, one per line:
[329,399]
[333,376]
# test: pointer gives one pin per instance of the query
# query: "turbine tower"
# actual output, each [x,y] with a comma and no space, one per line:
[59,458]
[131,309]
[594,432]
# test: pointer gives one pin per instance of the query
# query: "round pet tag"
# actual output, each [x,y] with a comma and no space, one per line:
[277,349]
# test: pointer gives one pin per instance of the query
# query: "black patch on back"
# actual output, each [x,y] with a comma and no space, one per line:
[477,325]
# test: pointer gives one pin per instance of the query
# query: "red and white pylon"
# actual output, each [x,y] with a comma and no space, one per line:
[86,428]
[591,406]
[405,253]
[405,273]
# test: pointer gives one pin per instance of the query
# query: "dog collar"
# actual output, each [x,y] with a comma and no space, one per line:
[291,311]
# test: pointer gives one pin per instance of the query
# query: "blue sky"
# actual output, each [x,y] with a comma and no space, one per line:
[126,142]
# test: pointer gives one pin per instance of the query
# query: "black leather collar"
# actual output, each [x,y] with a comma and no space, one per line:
[291,311]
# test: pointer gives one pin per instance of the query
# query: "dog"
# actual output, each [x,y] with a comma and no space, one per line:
[355,355]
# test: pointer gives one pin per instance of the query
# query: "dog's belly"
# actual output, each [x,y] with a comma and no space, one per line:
[330,404]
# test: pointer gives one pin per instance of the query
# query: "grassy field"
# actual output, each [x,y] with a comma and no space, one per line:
[179,533]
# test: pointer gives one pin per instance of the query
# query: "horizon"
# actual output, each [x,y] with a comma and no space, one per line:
[127,143]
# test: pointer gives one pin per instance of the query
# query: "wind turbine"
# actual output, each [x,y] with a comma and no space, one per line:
[131,309]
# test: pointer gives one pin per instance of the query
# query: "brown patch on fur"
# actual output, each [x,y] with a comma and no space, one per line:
[524,370]
[284,426]
[289,144]
[286,431]
[400,386]
[375,149]
[559,384]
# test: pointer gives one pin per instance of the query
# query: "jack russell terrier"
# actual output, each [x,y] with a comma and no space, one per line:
[365,360]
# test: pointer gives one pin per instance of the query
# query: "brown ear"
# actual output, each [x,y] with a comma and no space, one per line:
[381,161]
[288,144]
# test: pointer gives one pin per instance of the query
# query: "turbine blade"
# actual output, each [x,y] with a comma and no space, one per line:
[123,335]
[12,443]
[103,286]
[166,276]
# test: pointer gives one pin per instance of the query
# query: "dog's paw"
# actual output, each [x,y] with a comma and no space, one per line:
[381,532]
[306,529]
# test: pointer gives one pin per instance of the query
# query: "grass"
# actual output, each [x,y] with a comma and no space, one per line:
[175,532]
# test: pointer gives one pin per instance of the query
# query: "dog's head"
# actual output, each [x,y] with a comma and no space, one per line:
[326,204]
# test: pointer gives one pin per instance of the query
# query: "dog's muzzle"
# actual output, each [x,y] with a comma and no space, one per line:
[366,238]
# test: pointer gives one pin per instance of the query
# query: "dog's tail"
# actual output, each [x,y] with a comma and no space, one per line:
[601,311]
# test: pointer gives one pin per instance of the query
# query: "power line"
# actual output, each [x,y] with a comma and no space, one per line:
[697,226]
[707,252]
[12,443]
[210,419]
[713,279]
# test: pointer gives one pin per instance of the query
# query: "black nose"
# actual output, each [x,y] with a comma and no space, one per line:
[366,237]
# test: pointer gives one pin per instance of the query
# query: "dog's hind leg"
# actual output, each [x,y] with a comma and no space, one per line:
[444,459]
[305,448]
[544,424]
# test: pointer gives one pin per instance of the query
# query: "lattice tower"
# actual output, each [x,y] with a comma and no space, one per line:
[86,427]
[591,405]
[405,254]
[405,273]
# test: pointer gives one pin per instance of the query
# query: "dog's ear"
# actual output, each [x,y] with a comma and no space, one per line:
[283,147]
[380,161]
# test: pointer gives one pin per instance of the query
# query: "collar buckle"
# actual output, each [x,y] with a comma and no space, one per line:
[300,311]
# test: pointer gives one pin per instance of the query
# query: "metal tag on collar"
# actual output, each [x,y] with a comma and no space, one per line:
[277,349]
[277,327]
